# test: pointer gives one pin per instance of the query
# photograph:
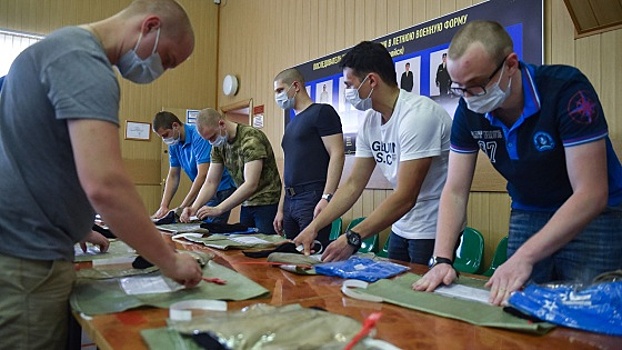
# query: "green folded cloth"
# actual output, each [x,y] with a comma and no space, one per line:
[183,227]
[239,241]
[399,291]
[94,297]
[117,249]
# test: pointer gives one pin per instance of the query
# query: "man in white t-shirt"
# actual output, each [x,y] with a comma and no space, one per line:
[407,137]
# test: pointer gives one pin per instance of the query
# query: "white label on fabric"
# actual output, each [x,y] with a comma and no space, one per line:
[248,240]
[148,285]
[182,310]
[463,292]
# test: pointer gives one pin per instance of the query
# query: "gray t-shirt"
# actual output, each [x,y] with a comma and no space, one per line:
[43,208]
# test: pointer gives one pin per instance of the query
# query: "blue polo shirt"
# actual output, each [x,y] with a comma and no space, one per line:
[561,109]
[194,150]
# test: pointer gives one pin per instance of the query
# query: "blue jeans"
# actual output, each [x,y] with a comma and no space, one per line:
[298,214]
[416,251]
[218,198]
[597,249]
[260,216]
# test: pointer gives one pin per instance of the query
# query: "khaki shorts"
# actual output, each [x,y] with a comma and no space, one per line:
[34,306]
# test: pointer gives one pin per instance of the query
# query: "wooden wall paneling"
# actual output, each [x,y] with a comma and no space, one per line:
[608,87]
[404,10]
[562,35]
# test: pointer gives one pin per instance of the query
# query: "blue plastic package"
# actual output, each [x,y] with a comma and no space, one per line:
[597,308]
[364,269]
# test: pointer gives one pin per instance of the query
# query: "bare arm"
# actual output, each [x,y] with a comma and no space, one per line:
[410,177]
[196,185]
[214,174]
[170,188]
[252,175]
[451,217]
[343,200]
[336,151]
[112,194]
[587,169]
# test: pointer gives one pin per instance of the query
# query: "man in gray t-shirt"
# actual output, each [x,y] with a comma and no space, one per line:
[60,161]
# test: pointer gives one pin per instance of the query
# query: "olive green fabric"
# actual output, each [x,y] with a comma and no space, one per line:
[117,249]
[183,227]
[399,292]
[105,272]
[289,327]
[225,242]
[94,297]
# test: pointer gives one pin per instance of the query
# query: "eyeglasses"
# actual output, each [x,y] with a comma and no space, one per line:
[477,90]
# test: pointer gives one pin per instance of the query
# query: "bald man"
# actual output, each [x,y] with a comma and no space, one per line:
[61,162]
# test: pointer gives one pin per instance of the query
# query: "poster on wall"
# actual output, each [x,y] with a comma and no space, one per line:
[419,54]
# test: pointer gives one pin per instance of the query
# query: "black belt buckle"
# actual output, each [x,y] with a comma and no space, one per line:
[290,191]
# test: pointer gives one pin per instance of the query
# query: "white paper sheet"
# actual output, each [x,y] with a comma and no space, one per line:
[463,292]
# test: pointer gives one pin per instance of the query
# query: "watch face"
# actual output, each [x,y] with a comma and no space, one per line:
[431,262]
[353,238]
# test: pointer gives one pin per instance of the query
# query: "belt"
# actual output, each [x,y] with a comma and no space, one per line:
[294,190]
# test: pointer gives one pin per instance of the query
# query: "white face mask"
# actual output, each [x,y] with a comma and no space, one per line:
[220,140]
[352,95]
[172,141]
[283,101]
[493,98]
[141,71]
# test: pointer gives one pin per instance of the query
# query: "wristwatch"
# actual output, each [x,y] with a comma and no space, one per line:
[354,239]
[327,196]
[435,260]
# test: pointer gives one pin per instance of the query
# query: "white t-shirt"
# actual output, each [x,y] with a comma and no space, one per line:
[418,128]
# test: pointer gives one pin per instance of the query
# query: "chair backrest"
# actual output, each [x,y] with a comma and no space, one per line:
[385,249]
[470,251]
[369,244]
[335,229]
[501,255]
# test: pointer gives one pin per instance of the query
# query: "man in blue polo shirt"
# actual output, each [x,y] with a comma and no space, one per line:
[188,151]
[543,128]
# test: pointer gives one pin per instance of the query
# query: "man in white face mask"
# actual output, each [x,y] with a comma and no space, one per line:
[61,162]
[314,156]
[544,130]
[407,137]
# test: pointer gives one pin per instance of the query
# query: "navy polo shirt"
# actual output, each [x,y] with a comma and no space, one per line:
[561,109]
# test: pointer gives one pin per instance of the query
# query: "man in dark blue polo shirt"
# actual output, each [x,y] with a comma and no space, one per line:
[543,128]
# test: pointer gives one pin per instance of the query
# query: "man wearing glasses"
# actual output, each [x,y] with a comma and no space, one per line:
[543,128]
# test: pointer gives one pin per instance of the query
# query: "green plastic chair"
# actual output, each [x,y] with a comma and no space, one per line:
[501,255]
[369,244]
[335,229]
[470,251]
[384,253]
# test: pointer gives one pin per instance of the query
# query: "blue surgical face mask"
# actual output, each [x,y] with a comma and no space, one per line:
[138,70]
[352,95]
[283,101]
[220,139]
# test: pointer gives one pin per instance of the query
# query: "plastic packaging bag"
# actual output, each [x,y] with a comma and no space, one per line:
[597,308]
[364,269]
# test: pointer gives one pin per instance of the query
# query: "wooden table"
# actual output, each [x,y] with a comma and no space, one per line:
[405,328]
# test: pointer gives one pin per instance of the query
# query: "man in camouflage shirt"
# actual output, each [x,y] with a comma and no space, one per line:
[247,154]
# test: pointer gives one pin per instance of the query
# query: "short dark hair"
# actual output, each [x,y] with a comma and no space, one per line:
[165,120]
[367,57]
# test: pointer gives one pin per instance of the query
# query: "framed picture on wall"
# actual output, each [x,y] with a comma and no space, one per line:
[137,130]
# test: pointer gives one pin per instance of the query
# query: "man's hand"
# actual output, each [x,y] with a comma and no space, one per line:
[319,207]
[186,214]
[95,238]
[185,270]
[509,277]
[338,250]
[205,212]
[160,213]
[441,273]
[278,222]
[306,238]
